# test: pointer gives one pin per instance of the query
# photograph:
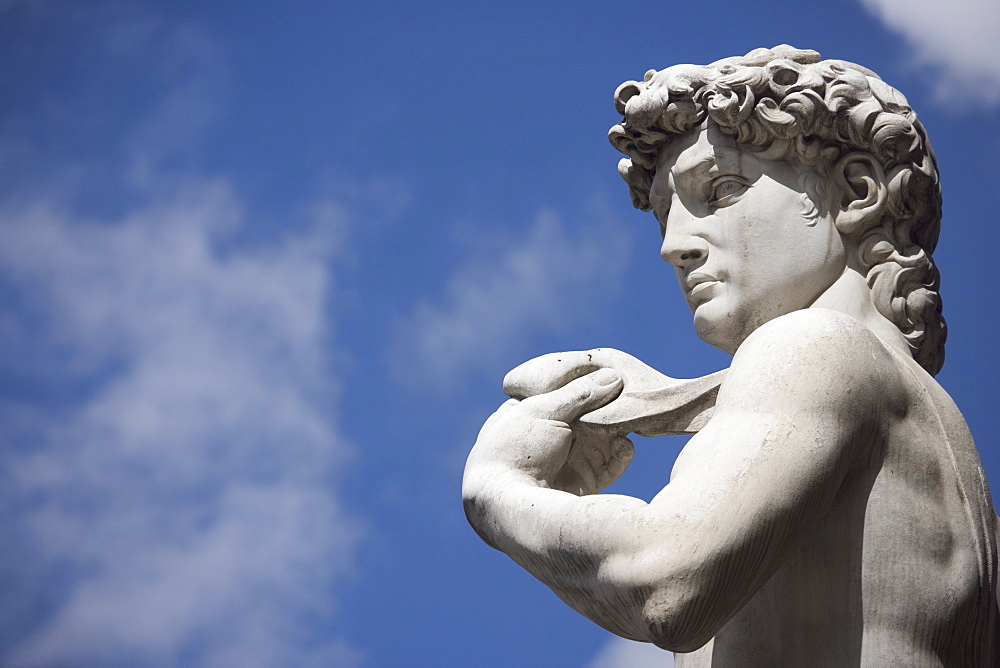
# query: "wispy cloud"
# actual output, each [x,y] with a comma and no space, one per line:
[169,482]
[622,653]
[180,503]
[551,280]
[956,40]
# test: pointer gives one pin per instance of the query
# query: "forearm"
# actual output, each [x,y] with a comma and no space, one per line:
[671,572]
[583,548]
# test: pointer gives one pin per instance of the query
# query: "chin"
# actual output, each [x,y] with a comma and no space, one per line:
[726,323]
[716,331]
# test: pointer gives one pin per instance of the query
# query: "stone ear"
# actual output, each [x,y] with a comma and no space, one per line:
[862,190]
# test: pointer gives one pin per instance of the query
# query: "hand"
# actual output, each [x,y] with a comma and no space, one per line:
[548,372]
[596,459]
[651,403]
[535,437]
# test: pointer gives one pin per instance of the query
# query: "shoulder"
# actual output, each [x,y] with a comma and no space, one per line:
[812,358]
[820,330]
[816,340]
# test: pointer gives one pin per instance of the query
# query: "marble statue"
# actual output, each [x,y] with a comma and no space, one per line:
[831,507]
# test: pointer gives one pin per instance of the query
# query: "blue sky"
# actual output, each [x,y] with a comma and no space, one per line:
[264,266]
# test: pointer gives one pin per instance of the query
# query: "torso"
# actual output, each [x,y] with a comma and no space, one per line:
[903,565]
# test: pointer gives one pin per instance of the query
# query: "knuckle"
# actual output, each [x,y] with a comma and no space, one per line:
[581,395]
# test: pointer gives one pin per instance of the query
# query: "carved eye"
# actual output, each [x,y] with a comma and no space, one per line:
[725,190]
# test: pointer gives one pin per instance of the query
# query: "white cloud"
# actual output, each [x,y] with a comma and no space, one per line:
[956,39]
[169,478]
[551,280]
[179,503]
[622,653]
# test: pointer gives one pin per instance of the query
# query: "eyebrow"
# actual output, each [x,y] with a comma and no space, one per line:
[716,160]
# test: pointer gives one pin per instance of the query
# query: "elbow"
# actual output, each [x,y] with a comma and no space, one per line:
[678,619]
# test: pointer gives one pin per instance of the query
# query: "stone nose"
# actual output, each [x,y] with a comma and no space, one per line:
[682,246]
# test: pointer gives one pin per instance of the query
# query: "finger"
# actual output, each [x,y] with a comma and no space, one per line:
[576,398]
[503,408]
[610,460]
[616,465]
[548,372]
[591,446]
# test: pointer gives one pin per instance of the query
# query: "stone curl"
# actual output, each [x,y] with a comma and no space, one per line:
[825,109]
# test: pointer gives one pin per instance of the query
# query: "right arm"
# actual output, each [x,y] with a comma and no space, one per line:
[793,411]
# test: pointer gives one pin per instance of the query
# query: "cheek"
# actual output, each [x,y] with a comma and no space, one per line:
[778,261]
[785,238]
[820,249]
[752,247]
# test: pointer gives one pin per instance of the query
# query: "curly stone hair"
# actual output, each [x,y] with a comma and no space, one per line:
[825,109]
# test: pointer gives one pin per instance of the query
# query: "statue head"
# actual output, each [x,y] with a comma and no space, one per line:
[842,129]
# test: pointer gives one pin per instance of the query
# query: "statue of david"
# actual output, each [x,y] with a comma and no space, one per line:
[831,507]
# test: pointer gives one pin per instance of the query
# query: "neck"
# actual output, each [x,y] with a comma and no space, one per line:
[850,294]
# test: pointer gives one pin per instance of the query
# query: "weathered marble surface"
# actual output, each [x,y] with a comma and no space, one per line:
[831,508]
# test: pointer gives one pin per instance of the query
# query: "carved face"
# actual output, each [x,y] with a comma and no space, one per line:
[737,228]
